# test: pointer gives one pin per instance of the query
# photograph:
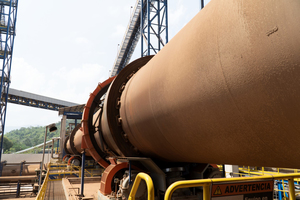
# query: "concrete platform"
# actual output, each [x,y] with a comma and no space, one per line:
[72,187]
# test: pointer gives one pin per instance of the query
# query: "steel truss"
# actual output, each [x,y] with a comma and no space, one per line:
[154,30]
[8,16]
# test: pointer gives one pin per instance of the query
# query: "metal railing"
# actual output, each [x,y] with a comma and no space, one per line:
[280,186]
[149,183]
[65,169]
[206,184]
[265,170]
[42,192]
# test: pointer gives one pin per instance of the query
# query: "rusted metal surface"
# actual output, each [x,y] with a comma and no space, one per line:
[110,120]
[87,122]
[108,176]
[13,179]
[98,135]
[67,146]
[77,141]
[225,89]
[73,143]
[14,170]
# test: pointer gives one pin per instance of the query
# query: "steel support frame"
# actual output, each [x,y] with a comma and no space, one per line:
[19,182]
[154,29]
[82,174]
[201,4]
[8,17]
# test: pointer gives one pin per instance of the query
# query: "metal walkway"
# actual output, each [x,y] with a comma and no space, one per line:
[55,191]
[130,39]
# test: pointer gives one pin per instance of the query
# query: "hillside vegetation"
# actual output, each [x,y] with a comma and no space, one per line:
[24,138]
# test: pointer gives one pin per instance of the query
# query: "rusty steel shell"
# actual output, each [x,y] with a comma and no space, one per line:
[73,143]
[225,89]
[112,132]
[67,146]
[14,170]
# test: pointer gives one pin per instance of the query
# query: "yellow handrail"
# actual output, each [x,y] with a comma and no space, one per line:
[136,184]
[42,192]
[72,169]
[206,183]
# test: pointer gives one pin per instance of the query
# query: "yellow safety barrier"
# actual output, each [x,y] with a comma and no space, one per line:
[206,183]
[255,171]
[42,192]
[64,169]
[136,184]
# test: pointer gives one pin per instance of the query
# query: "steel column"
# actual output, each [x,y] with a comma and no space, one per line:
[201,4]
[1,167]
[82,173]
[62,152]
[142,26]
[42,163]
[8,15]
[154,25]
[18,186]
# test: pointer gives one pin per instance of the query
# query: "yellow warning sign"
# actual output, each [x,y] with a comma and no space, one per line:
[218,191]
[228,189]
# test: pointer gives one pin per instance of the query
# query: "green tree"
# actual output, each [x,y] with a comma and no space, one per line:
[7,144]
[24,138]
[27,142]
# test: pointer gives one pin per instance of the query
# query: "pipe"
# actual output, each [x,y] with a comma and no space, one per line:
[225,89]
[73,142]
[82,174]
[14,170]
[15,179]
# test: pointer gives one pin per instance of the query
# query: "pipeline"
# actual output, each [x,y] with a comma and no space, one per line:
[13,169]
[225,89]
[72,144]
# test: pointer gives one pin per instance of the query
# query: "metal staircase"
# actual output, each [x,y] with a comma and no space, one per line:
[149,21]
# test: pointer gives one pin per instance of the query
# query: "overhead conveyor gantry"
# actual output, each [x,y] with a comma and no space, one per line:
[149,21]
[151,17]
[38,101]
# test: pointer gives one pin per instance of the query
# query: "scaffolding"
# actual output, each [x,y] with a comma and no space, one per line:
[8,16]
[154,30]
[149,21]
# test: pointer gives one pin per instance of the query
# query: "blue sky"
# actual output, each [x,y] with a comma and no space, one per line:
[64,48]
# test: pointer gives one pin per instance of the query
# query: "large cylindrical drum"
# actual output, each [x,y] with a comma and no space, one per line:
[225,89]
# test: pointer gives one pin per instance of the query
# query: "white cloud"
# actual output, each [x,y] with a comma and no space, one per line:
[175,15]
[113,10]
[25,76]
[82,40]
[86,72]
[78,82]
